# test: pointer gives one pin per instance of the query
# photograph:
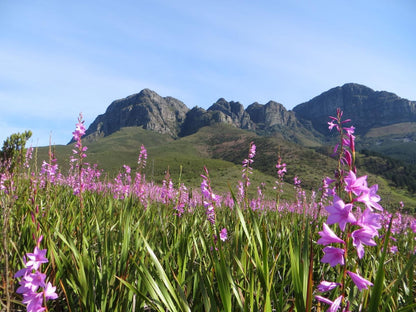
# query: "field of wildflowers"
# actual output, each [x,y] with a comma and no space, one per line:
[78,242]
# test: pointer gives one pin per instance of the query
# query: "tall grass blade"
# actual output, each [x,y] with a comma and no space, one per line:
[377,289]
[166,292]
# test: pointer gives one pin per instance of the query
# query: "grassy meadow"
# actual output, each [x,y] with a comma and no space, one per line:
[150,237]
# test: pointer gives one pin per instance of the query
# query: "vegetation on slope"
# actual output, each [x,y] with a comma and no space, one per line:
[222,148]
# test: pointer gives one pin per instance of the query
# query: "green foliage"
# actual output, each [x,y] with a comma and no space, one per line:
[401,174]
[396,141]
[13,151]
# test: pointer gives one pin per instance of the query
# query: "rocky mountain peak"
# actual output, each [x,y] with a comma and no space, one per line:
[366,107]
[235,111]
[145,109]
[270,115]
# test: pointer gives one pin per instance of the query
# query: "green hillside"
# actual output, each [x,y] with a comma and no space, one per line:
[221,148]
[396,141]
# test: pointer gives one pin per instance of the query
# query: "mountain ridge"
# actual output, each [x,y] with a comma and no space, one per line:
[305,124]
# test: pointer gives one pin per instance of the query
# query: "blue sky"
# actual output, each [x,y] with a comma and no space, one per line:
[59,58]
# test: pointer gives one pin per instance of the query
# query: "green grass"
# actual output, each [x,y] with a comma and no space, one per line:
[118,256]
[396,141]
[404,128]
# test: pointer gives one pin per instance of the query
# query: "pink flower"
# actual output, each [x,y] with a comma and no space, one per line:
[325,286]
[340,213]
[32,280]
[370,198]
[328,181]
[393,249]
[79,129]
[141,161]
[347,158]
[349,141]
[127,168]
[363,236]
[413,226]
[370,220]
[328,236]
[323,299]
[349,130]
[333,256]
[209,197]
[210,212]
[331,125]
[357,186]
[36,258]
[281,168]
[49,291]
[223,234]
[247,163]
[334,306]
[360,282]
[252,151]
[33,302]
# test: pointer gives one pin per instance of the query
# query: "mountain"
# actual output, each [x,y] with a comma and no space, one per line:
[367,108]
[168,115]
[384,122]
[146,109]
[257,117]
[270,115]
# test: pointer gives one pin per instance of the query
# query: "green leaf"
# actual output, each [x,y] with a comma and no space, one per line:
[377,289]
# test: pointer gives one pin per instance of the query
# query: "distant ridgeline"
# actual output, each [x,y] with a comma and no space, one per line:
[384,122]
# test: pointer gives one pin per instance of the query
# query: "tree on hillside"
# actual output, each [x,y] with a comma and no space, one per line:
[13,151]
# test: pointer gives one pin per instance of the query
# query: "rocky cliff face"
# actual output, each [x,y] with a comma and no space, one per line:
[198,117]
[266,118]
[146,109]
[366,107]
[235,111]
[270,115]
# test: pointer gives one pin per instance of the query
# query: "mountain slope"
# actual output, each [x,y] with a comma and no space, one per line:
[383,121]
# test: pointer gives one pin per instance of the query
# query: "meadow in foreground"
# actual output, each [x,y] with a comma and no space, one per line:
[79,242]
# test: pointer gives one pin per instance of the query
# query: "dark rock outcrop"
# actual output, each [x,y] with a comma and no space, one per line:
[238,116]
[198,117]
[268,116]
